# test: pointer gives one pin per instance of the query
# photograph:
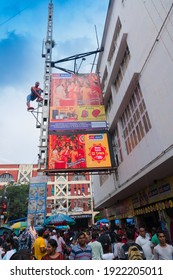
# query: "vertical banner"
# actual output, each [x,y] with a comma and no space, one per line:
[37,200]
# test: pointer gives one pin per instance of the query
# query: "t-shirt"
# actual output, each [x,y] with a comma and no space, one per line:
[155,239]
[97,250]
[163,253]
[8,254]
[78,253]
[116,249]
[108,256]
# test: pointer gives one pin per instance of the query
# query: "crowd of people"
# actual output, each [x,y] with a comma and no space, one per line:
[89,244]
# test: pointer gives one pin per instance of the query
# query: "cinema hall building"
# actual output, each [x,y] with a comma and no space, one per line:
[136,69]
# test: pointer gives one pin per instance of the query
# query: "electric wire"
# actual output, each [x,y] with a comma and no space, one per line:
[18,13]
[162,20]
[157,37]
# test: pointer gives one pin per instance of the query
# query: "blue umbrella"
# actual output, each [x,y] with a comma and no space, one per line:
[59,219]
[104,221]
[5,228]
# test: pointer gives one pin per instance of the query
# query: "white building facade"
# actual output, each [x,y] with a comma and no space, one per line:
[136,69]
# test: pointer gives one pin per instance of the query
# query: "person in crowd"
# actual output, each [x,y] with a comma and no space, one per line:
[39,247]
[2,252]
[60,241]
[33,232]
[25,240]
[136,233]
[117,246]
[52,254]
[123,255]
[10,247]
[113,236]
[104,238]
[23,254]
[146,244]
[4,236]
[108,255]
[154,237]
[97,250]
[163,251]
[46,236]
[81,251]
[72,241]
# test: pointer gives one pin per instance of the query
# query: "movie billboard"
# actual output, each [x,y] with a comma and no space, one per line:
[76,103]
[79,151]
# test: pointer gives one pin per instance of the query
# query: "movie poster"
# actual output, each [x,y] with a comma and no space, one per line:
[76,101]
[78,151]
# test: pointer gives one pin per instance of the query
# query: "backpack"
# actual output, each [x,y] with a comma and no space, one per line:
[133,252]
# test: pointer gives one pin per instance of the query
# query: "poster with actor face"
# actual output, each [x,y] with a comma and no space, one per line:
[78,151]
[76,101]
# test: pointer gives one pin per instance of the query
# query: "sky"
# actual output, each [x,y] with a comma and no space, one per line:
[23,27]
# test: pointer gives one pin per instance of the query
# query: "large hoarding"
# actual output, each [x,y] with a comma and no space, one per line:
[76,103]
[79,151]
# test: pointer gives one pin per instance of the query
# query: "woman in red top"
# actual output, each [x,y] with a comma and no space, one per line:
[51,251]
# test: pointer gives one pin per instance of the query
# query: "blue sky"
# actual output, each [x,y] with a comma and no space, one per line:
[23,27]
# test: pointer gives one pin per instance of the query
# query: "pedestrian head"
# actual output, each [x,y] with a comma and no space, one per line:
[161,237]
[41,232]
[51,246]
[142,231]
[130,234]
[81,238]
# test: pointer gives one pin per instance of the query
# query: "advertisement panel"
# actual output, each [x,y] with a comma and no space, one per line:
[79,151]
[76,102]
[37,200]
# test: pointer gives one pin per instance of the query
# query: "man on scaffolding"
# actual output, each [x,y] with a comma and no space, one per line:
[35,94]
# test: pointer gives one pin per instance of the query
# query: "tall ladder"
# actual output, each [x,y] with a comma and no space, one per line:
[48,44]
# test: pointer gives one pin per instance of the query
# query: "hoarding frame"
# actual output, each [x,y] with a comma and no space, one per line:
[90,170]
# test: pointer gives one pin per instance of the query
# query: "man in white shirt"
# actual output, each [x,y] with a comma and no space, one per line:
[163,251]
[145,243]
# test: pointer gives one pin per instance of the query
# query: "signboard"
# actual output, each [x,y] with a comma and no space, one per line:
[76,103]
[152,194]
[37,200]
[79,151]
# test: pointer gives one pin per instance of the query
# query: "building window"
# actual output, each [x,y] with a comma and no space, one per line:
[114,39]
[104,80]
[109,104]
[79,177]
[6,177]
[135,120]
[116,143]
[122,68]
